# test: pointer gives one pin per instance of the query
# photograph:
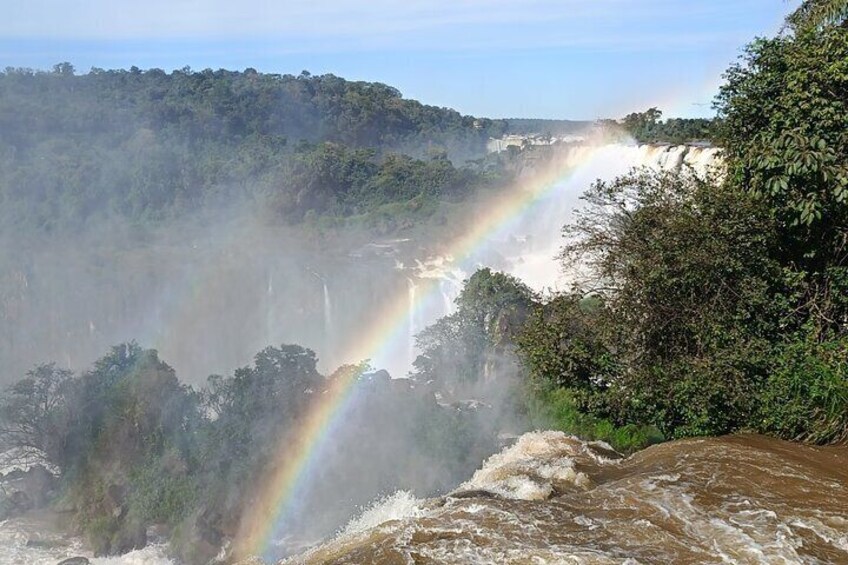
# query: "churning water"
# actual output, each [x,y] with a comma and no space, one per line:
[35,542]
[551,498]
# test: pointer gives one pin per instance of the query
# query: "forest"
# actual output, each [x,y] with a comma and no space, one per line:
[148,146]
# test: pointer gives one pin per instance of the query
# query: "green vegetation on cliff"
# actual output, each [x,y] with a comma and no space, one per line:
[150,145]
[649,127]
[137,448]
[719,304]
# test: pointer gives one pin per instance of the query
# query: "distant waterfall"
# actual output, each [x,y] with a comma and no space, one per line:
[328,311]
[412,326]
[446,299]
[269,310]
[529,248]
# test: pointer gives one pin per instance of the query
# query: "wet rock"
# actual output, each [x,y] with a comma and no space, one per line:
[20,502]
[474,494]
[128,538]
[46,543]
[21,491]
[75,561]
[201,538]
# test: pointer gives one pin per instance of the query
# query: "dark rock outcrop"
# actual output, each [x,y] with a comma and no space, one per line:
[75,561]
[21,491]
[200,537]
[118,533]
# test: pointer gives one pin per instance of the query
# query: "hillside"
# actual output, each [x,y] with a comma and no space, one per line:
[148,145]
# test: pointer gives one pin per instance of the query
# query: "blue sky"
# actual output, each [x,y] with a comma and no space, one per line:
[520,58]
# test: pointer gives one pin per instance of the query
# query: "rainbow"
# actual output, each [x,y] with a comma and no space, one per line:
[289,471]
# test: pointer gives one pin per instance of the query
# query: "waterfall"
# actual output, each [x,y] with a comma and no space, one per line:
[529,248]
[195,331]
[412,327]
[446,299]
[328,310]
[269,310]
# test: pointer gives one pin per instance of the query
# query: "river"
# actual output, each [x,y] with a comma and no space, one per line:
[551,498]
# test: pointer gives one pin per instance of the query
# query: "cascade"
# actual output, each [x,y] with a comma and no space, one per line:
[552,498]
[527,247]
[270,314]
[527,244]
[412,327]
[328,311]
[446,299]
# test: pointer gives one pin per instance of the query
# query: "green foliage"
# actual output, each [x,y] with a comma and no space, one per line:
[561,345]
[806,395]
[693,396]
[723,300]
[696,297]
[678,260]
[463,346]
[818,13]
[334,180]
[783,113]
[252,409]
[163,495]
[647,127]
[122,435]
[33,411]
[558,409]
[150,145]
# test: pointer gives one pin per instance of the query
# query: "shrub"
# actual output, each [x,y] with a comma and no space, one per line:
[806,395]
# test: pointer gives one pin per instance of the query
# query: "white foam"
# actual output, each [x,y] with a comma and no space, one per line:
[23,459]
[398,506]
[52,548]
[532,467]
[150,555]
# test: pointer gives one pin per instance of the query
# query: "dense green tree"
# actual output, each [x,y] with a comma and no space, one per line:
[467,345]
[32,413]
[648,127]
[676,258]
[562,345]
[784,111]
[818,13]
[150,145]
[688,285]
[722,299]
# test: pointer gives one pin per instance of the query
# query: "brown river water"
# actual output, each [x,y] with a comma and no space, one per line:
[550,498]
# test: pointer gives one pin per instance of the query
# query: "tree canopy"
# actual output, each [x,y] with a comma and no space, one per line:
[150,145]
